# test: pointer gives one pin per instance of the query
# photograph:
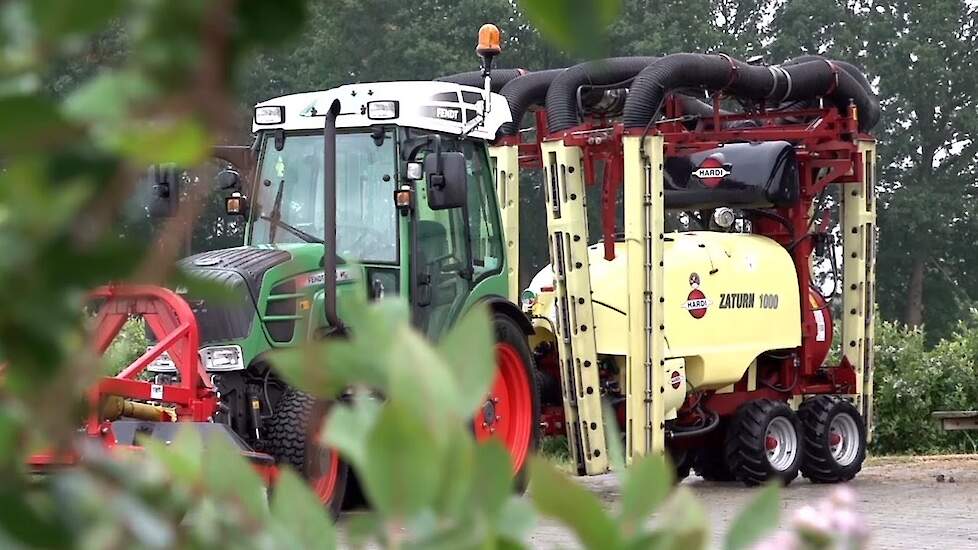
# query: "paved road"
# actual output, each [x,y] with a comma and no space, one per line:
[901,498]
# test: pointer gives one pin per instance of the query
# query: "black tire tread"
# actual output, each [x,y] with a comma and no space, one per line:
[745,451]
[711,464]
[286,431]
[818,465]
[286,439]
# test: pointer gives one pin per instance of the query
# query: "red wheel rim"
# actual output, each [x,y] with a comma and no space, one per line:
[507,413]
[325,484]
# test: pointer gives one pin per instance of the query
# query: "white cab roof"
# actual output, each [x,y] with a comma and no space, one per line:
[438,106]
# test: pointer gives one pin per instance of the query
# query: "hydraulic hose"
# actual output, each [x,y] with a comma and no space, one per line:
[524,92]
[869,110]
[800,81]
[562,105]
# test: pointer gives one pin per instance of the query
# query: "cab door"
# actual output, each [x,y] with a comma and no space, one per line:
[456,248]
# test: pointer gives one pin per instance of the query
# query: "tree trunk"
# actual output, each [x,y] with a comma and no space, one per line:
[914,315]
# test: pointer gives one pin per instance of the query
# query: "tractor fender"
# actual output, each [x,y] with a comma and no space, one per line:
[498,304]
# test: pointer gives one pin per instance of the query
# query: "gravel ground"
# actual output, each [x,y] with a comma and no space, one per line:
[909,502]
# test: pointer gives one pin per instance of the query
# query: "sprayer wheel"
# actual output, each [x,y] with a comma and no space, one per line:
[835,439]
[291,436]
[710,464]
[764,442]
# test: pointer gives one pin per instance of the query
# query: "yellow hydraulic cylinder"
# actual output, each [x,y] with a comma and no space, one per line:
[115,407]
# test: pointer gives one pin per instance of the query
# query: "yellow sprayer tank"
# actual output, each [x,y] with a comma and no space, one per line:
[728,298]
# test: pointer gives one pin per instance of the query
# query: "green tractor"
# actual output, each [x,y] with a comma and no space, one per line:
[363,191]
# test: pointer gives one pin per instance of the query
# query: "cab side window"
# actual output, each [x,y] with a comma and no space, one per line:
[487,245]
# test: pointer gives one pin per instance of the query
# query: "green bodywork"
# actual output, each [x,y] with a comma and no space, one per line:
[304,304]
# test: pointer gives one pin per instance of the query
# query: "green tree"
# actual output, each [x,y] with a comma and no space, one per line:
[921,58]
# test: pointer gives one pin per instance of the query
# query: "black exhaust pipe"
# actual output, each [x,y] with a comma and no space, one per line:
[329,221]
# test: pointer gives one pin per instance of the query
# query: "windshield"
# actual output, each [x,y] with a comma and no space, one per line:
[288,205]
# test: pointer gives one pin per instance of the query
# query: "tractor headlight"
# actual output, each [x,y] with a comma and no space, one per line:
[222,358]
[270,114]
[382,110]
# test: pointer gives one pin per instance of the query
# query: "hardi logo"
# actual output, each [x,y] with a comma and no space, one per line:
[676,379]
[696,302]
[712,171]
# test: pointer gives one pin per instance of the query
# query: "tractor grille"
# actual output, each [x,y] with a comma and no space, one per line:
[281,331]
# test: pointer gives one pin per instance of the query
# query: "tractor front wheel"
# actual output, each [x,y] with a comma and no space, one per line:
[835,439]
[511,411]
[292,436]
[764,442]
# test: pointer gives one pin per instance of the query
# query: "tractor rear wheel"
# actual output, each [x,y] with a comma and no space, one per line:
[511,411]
[835,439]
[292,438]
[764,442]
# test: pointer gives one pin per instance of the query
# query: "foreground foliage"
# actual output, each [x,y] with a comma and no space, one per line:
[68,164]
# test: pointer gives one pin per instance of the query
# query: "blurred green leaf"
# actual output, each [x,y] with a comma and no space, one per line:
[577,26]
[183,142]
[645,485]
[347,428]
[25,524]
[686,521]
[459,475]
[516,519]
[402,465]
[230,477]
[107,97]
[183,458]
[756,519]
[31,121]
[468,350]
[57,18]
[421,379]
[493,476]
[560,498]
[301,517]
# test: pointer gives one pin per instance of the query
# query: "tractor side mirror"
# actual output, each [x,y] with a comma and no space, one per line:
[165,197]
[447,180]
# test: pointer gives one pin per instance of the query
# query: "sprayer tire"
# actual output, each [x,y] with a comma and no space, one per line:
[827,421]
[290,436]
[764,443]
[711,465]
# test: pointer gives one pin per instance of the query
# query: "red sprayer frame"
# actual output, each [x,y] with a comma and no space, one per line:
[172,322]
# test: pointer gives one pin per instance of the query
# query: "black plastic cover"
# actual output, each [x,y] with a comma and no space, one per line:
[754,175]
